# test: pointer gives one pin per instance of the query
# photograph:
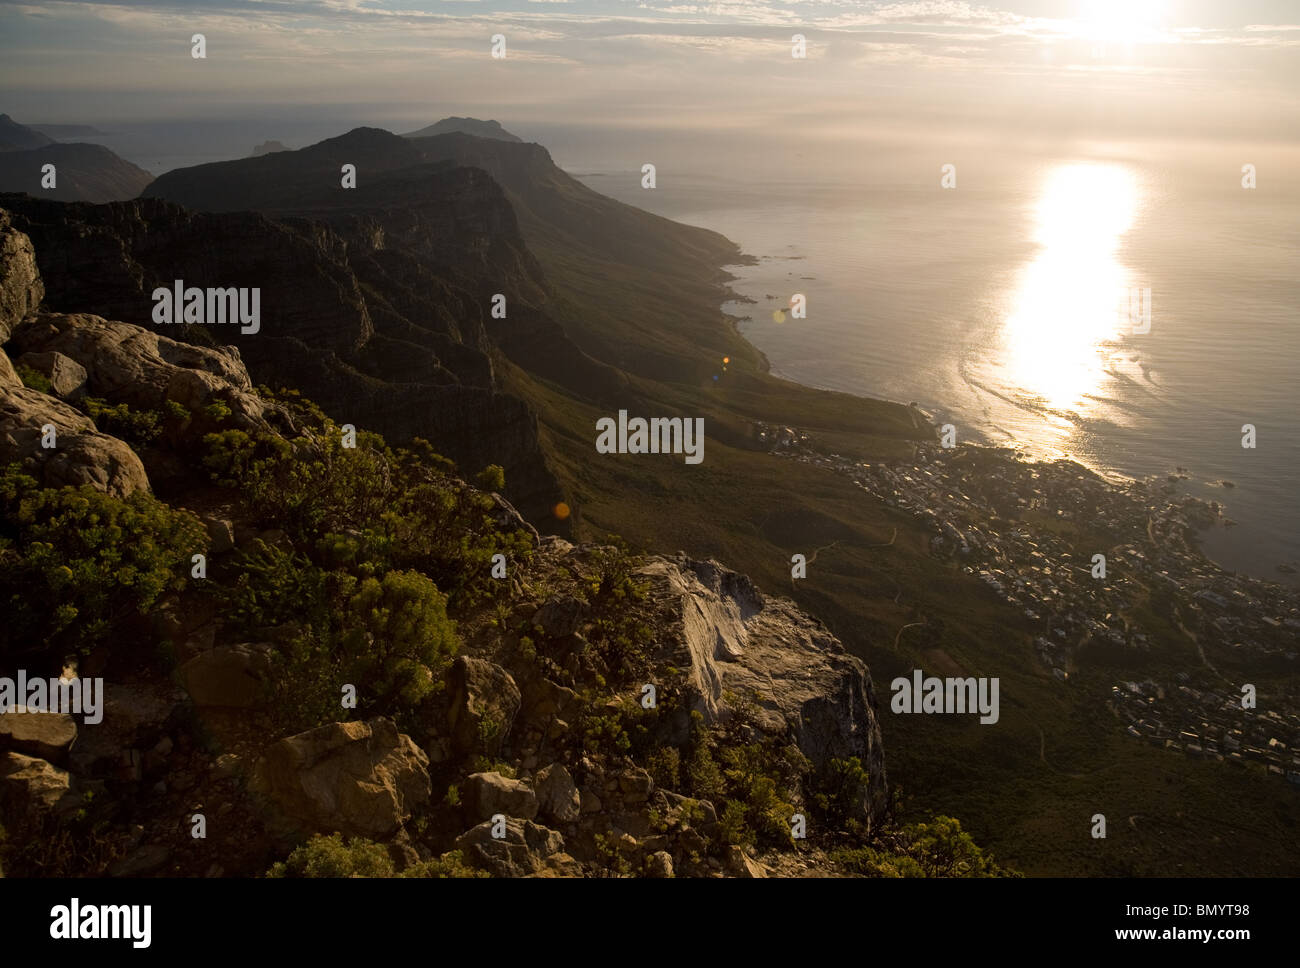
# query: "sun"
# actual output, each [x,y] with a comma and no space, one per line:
[1120,21]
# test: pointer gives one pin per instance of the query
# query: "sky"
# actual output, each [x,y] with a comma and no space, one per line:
[1054,69]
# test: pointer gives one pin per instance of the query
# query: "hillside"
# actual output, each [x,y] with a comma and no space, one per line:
[19,137]
[275,566]
[83,172]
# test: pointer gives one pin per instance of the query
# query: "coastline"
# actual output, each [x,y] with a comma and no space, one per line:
[1278,570]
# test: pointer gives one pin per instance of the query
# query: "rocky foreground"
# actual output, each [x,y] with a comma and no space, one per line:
[597,713]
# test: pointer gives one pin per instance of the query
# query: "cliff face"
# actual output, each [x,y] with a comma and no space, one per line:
[736,641]
[380,334]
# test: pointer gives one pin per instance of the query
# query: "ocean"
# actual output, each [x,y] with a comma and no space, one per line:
[1017,313]
[1013,305]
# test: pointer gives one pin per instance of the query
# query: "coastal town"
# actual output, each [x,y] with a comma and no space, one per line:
[1090,562]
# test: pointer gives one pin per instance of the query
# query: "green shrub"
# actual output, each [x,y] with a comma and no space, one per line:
[939,848]
[77,562]
[400,640]
[276,585]
[842,789]
[137,427]
[869,862]
[664,765]
[491,478]
[755,783]
[33,379]
[450,864]
[324,856]
[390,637]
[943,849]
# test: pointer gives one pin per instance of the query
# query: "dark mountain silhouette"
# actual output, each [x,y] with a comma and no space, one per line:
[554,212]
[282,179]
[268,148]
[83,173]
[480,129]
[19,137]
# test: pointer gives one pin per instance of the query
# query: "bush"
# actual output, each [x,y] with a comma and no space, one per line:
[330,857]
[400,638]
[276,585]
[137,427]
[943,849]
[33,379]
[756,786]
[939,848]
[842,789]
[324,856]
[491,478]
[77,562]
[388,636]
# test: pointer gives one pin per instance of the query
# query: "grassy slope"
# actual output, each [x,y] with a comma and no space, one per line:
[1028,795]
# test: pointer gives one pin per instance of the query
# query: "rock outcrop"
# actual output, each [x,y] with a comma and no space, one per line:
[489,794]
[228,676]
[735,639]
[21,289]
[81,454]
[31,789]
[360,778]
[484,700]
[46,735]
[124,363]
[526,850]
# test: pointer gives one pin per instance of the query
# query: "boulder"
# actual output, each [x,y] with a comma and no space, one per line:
[229,675]
[488,794]
[659,864]
[32,788]
[81,455]
[48,736]
[125,363]
[221,532]
[67,377]
[527,849]
[21,290]
[740,864]
[483,703]
[362,778]
[636,785]
[557,795]
[561,616]
[544,700]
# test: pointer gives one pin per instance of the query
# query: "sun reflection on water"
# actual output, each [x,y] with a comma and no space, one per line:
[1063,314]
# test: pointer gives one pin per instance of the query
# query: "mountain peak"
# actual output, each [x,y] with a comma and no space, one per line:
[472,126]
[19,137]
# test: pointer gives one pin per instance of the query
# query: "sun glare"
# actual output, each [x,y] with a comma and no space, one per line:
[1120,21]
[1065,307]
